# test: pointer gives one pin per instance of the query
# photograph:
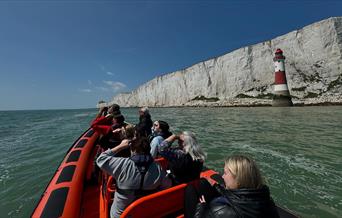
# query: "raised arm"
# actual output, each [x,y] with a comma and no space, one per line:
[166,151]
[172,138]
[111,164]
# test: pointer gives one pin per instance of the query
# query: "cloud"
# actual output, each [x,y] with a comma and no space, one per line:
[90,82]
[104,89]
[115,86]
[85,90]
[105,70]
[118,85]
[109,83]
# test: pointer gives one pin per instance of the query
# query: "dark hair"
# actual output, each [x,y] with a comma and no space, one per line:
[114,109]
[104,111]
[114,113]
[119,118]
[140,143]
[139,131]
[164,126]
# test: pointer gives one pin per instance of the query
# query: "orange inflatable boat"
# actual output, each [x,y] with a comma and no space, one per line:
[78,190]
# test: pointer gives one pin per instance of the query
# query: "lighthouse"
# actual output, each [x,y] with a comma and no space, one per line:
[281,96]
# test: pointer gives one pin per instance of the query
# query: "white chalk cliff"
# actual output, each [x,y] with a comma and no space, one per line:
[245,76]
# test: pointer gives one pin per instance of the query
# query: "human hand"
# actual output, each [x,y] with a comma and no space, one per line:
[125,143]
[116,130]
[175,137]
[109,115]
[202,199]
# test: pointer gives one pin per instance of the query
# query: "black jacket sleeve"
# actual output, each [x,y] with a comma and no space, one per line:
[200,209]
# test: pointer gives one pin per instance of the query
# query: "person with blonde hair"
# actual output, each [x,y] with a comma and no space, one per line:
[245,193]
[243,171]
[125,132]
[185,161]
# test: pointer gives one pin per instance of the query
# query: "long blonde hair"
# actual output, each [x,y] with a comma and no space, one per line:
[127,132]
[245,171]
[192,147]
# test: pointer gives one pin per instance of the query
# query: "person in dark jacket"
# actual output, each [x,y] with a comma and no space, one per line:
[244,195]
[145,121]
[186,161]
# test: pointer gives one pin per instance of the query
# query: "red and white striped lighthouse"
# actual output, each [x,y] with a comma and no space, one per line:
[281,91]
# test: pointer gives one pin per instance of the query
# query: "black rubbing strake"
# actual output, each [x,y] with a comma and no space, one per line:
[66,174]
[89,133]
[74,156]
[55,205]
[81,143]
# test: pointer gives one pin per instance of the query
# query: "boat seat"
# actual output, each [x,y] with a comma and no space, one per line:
[169,201]
[162,162]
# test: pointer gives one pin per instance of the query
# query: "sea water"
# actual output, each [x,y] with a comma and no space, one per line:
[299,150]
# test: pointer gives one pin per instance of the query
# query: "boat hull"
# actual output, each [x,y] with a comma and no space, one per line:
[63,195]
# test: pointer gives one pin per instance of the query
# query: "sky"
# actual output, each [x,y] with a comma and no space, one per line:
[71,54]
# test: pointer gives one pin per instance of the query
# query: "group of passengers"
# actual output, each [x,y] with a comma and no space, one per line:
[129,152]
